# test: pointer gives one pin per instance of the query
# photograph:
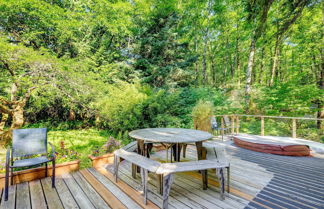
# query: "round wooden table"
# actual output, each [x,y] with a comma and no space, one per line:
[174,137]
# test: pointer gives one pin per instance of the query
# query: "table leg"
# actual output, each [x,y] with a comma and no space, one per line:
[199,150]
[148,149]
[176,148]
[141,151]
[202,156]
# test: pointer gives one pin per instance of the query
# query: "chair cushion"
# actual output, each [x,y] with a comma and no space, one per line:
[30,162]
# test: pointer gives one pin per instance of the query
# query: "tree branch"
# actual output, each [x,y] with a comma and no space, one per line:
[5,110]
[28,94]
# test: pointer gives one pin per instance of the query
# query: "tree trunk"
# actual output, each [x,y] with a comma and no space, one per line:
[17,122]
[204,64]
[4,118]
[71,115]
[238,63]
[18,117]
[260,79]
[320,112]
[250,67]
[275,62]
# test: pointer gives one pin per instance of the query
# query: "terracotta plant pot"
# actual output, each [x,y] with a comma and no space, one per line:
[38,173]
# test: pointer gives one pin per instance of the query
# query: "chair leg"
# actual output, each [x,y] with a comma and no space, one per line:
[7,183]
[46,172]
[228,179]
[53,174]
[11,176]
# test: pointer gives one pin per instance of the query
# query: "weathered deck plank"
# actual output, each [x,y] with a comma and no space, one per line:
[23,197]
[52,198]
[126,200]
[258,180]
[10,203]
[93,196]
[36,194]
[105,194]
[65,194]
[78,194]
[132,193]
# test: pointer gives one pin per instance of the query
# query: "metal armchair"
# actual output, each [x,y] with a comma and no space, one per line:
[31,143]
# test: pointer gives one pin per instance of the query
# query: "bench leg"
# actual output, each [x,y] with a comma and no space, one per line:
[167,182]
[160,183]
[204,175]
[116,165]
[220,176]
[144,175]
[134,171]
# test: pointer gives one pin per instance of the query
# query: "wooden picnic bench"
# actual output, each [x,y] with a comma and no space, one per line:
[146,165]
[168,169]
[165,171]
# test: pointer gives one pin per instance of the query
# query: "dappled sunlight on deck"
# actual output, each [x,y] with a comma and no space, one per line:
[258,180]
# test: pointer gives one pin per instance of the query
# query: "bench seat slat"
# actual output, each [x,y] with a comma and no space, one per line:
[139,160]
[189,166]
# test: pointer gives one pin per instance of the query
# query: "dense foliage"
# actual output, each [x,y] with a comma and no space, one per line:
[122,64]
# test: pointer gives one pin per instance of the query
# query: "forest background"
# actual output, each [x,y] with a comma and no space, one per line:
[113,66]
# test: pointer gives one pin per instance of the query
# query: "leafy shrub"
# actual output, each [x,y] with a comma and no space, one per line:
[288,99]
[121,109]
[201,114]
[161,109]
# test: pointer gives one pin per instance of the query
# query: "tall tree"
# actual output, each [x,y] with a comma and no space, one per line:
[257,16]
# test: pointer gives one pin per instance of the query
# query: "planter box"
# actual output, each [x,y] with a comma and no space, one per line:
[38,173]
[102,160]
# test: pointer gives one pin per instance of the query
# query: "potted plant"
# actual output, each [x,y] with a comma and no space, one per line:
[103,155]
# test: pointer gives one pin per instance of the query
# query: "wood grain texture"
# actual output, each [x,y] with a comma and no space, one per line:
[23,197]
[65,194]
[170,135]
[105,194]
[10,203]
[132,193]
[93,196]
[118,193]
[36,194]
[52,198]
[77,192]
[138,160]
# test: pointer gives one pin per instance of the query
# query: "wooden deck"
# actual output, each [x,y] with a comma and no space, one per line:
[258,180]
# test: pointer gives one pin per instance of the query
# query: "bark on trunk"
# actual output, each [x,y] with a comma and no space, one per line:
[4,118]
[250,68]
[204,64]
[275,62]
[320,113]
[238,63]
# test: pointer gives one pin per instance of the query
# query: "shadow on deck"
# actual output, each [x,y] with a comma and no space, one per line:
[258,180]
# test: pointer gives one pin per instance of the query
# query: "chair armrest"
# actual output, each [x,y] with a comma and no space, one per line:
[53,149]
